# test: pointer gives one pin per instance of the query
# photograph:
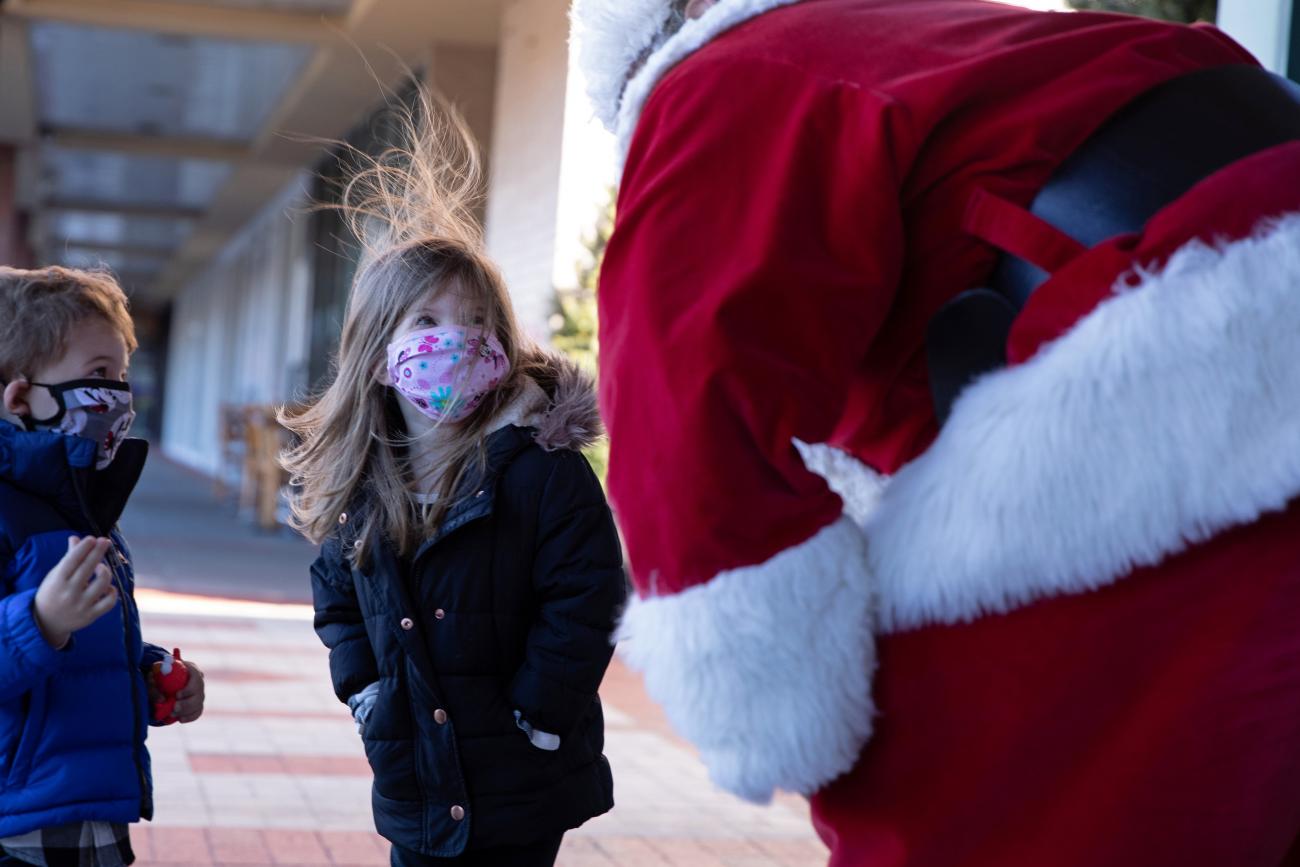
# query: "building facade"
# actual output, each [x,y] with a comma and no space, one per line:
[260,323]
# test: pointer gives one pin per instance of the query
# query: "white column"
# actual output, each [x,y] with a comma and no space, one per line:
[1262,26]
[527,144]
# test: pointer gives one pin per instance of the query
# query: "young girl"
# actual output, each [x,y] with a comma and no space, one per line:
[470,574]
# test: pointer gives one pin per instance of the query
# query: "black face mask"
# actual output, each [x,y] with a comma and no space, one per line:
[95,409]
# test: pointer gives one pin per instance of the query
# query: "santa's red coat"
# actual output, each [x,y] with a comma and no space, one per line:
[1068,673]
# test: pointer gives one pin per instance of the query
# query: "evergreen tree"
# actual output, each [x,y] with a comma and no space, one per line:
[574,326]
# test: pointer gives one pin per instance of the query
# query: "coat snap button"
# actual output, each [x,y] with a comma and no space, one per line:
[458,812]
[408,623]
[439,614]
[343,518]
[440,717]
[480,493]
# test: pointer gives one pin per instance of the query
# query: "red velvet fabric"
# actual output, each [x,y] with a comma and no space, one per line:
[790,220]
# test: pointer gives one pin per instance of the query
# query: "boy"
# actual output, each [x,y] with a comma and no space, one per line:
[75,693]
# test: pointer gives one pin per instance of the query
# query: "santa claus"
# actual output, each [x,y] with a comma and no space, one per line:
[1078,597]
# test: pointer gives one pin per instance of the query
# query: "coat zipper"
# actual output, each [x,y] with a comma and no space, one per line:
[115,562]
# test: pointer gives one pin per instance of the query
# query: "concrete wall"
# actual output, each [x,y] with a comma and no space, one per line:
[467,75]
[1263,26]
[523,195]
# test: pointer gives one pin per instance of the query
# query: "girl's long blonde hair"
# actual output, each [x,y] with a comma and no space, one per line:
[412,208]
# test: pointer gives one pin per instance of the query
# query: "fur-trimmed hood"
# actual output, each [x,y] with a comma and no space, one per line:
[613,36]
[560,403]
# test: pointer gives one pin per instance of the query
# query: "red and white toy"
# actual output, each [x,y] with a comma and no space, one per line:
[170,675]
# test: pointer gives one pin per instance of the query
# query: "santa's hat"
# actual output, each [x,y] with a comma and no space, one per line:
[612,36]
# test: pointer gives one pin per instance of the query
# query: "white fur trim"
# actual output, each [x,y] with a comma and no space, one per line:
[859,486]
[1168,414]
[766,669]
[525,408]
[612,35]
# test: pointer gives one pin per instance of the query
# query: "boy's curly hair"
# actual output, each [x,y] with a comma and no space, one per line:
[39,308]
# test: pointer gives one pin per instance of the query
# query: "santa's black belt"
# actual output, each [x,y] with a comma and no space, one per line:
[1146,156]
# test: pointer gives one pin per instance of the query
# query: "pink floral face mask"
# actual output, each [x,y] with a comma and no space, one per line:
[446,372]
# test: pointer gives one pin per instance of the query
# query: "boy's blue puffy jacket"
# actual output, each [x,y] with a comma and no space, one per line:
[72,722]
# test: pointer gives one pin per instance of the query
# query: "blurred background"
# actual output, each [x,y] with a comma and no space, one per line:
[178,143]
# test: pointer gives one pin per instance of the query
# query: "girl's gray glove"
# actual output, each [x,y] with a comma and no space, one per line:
[362,704]
[538,738]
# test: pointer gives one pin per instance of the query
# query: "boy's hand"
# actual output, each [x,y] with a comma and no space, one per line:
[76,592]
[189,701]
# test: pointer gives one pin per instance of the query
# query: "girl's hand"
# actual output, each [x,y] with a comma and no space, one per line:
[189,701]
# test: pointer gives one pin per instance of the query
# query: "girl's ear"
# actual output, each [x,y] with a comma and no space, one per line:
[380,372]
[15,397]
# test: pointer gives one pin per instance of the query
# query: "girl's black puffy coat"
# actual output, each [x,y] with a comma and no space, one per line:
[511,606]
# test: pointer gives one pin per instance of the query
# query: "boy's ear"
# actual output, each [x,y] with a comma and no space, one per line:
[15,397]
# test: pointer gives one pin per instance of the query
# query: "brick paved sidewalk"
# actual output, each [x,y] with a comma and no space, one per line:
[274,772]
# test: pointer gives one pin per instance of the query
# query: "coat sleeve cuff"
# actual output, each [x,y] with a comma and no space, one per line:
[149,654]
[542,740]
[23,635]
[767,669]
